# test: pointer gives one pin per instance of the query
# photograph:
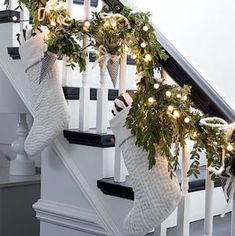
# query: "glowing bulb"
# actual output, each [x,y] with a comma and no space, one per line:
[53,23]
[87,24]
[148,57]
[97,52]
[178,95]
[186,120]
[106,24]
[151,100]
[230,147]
[184,98]
[156,86]
[143,45]
[114,24]
[215,143]
[176,114]
[145,28]
[170,108]
[133,56]
[14,18]
[168,93]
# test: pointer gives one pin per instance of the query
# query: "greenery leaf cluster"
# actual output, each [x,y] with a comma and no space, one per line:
[162,116]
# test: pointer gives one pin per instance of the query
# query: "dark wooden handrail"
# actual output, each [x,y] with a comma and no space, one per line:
[203,94]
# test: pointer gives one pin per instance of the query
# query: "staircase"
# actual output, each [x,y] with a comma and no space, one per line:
[78,193]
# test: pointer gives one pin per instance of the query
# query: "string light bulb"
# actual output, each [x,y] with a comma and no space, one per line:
[176,114]
[143,45]
[178,95]
[53,23]
[87,24]
[229,147]
[106,24]
[184,98]
[156,86]
[145,28]
[186,120]
[170,108]
[14,18]
[168,93]
[133,56]
[114,24]
[148,57]
[151,100]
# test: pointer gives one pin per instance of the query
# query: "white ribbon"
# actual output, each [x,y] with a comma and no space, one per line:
[139,76]
[50,5]
[105,57]
[228,128]
[116,15]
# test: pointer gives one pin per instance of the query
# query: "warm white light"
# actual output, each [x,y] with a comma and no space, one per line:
[148,57]
[133,56]
[170,108]
[230,147]
[184,98]
[143,45]
[151,100]
[168,93]
[53,23]
[106,24]
[176,114]
[14,18]
[97,52]
[156,86]
[87,24]
[145,28]
[186,120]
[194,134]
[178,95]
[114,24]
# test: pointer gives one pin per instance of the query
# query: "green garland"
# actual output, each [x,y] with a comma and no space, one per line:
[161,114]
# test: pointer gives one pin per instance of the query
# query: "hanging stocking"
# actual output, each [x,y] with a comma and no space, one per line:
[51,114]
[113,66]
[156,195]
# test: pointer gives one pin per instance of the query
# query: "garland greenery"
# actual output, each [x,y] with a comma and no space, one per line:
[161,114]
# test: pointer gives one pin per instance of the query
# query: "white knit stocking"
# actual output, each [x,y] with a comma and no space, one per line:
[50,108]
[156,195]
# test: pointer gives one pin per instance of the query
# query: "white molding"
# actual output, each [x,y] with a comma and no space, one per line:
[90,195]
[57,146]
[68,216]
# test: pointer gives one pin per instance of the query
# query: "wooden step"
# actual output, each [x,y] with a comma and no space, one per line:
[124,190]
[90,138]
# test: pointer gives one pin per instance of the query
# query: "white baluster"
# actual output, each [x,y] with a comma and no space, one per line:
[70,7]
[183,216]
[24,18]
[85,90]
[102,103]
[21,165]
[119,166]
[208,224]
[12,4]
[233,218]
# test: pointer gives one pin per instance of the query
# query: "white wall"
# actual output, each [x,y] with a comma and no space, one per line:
[203,32]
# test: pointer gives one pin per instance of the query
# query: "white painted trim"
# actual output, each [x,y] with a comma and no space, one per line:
[90,195]
[68,216]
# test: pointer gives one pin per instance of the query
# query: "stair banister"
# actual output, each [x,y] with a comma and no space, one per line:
[85,90]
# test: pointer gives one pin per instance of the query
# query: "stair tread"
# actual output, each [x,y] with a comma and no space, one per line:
[6,16]
[124,190]
[90,138]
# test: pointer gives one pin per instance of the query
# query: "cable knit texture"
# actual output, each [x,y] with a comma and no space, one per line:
[51,114]
[156,195]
